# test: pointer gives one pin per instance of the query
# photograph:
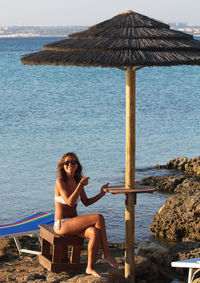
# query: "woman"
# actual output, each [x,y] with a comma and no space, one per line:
[69,190]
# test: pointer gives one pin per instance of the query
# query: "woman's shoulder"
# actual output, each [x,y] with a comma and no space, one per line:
[60,182]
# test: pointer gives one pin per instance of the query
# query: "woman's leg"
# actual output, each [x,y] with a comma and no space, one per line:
[107,256]
[76,225]
[93,235]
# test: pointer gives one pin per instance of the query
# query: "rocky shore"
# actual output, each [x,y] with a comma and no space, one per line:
[189,166]
[152,265]
[179,217]
[177,222]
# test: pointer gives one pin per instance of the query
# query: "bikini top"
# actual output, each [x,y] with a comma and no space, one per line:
[61,200]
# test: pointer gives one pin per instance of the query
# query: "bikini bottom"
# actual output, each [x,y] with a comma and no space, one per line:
[57,224]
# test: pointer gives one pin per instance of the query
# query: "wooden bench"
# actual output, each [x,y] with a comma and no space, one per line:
[55,253]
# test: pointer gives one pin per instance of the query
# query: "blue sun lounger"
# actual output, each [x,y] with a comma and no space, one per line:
[27,226]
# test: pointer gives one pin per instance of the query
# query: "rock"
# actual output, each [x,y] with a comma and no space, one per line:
[157,253]
[172,183]
[193,166]
[35,276]
[179,217]
[177,163]
[185,250]
[198,279]
[153,263]
[189,183]
[26,268]
[145,269]
[189,166]
[167,183]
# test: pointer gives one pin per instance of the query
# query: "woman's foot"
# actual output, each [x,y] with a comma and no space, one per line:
[93,272]
[110,260]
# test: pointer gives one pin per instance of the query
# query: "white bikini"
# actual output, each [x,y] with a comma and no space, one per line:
[60,199]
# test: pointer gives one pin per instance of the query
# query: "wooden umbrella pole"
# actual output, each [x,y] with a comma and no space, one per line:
[130,174]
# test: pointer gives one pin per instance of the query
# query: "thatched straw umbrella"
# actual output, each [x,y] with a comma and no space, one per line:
[127,41]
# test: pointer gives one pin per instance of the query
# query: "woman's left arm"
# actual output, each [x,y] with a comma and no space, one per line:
[88,201]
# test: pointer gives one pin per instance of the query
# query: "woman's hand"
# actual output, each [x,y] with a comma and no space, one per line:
[84,181]
[104,186]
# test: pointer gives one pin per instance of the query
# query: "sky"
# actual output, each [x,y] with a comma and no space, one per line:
[90,12]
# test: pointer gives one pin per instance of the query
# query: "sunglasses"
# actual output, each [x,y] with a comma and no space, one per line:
[73,162]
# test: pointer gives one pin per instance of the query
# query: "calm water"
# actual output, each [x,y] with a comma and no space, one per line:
[46,111]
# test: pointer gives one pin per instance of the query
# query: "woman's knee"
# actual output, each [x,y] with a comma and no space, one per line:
[100,218]
[93,233]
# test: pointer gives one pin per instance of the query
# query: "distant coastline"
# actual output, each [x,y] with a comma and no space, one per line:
[38,31]
[64,31]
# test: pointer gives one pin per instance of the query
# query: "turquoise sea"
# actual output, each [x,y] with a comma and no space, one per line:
[46,111]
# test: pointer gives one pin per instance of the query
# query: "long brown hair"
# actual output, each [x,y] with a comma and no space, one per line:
[61,171]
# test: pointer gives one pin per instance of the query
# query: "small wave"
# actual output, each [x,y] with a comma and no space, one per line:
[153,171]
[144,169]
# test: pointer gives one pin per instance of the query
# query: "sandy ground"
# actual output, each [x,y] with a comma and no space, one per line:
[26,267]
